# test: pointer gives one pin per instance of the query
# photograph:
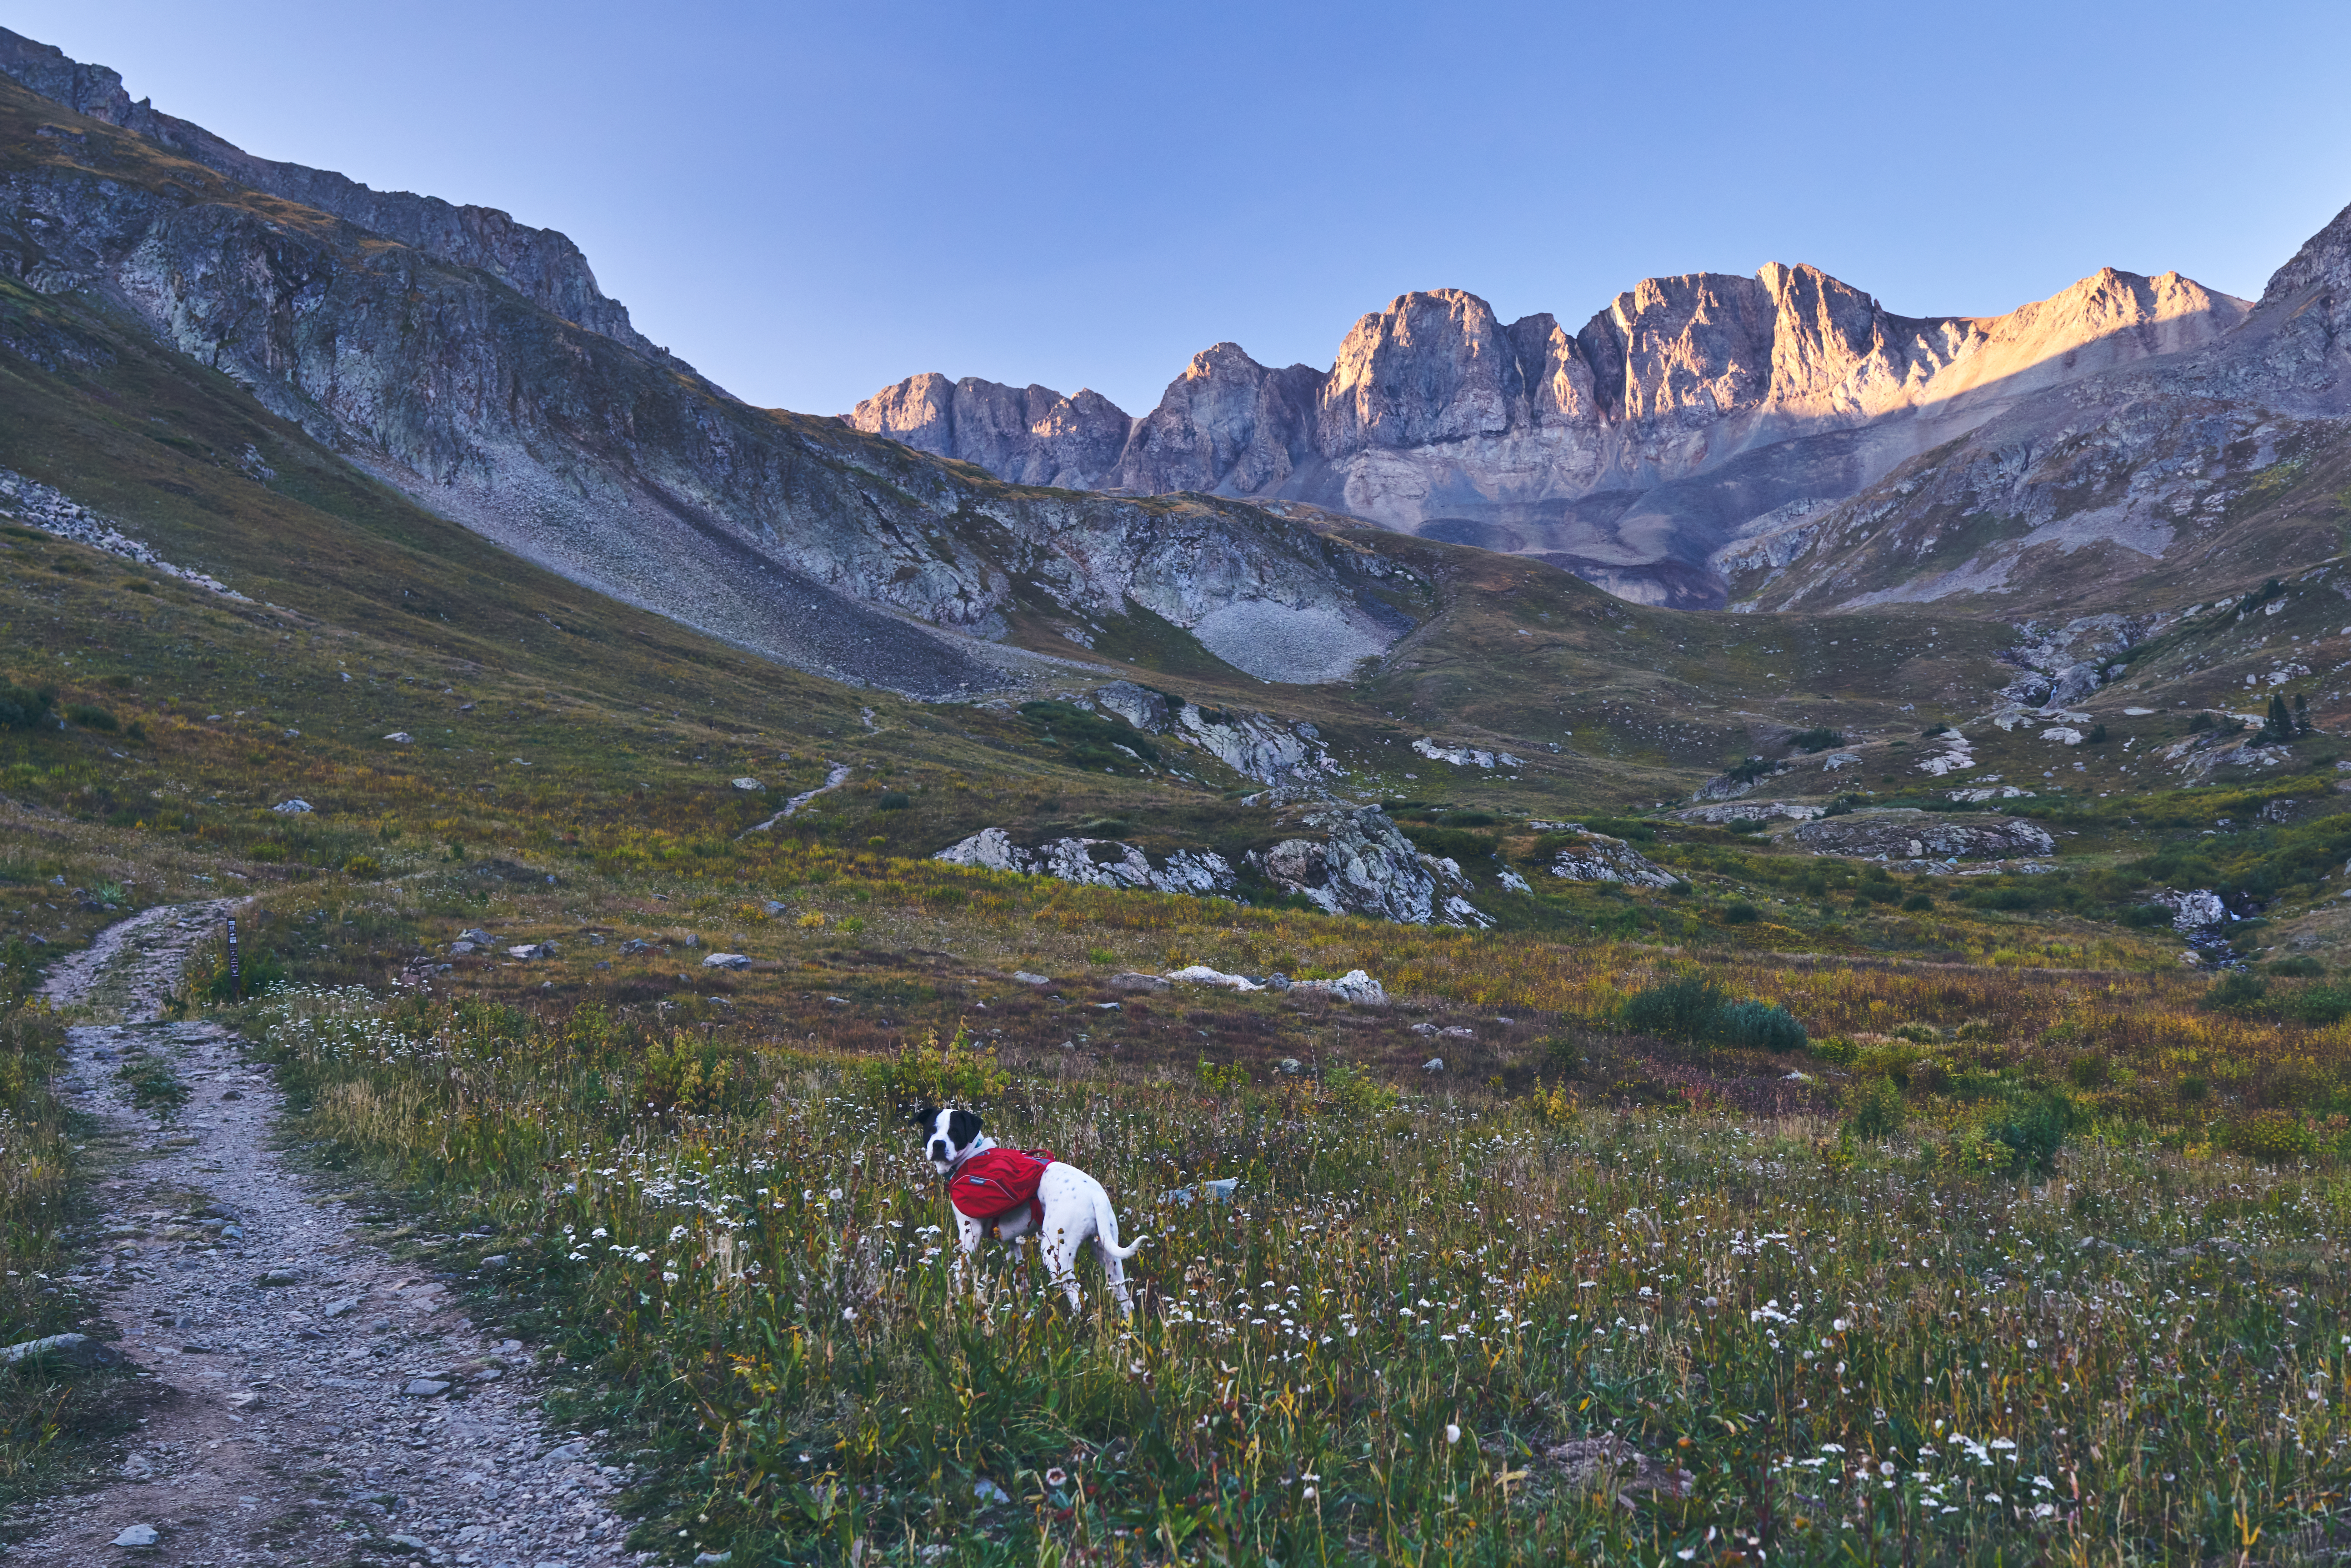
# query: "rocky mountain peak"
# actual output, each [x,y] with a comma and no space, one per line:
[542,265]
[2323,262]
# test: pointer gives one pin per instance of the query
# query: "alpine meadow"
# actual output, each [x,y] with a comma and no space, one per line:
[1717,937]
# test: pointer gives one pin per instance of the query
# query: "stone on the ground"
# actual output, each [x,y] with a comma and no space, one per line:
[424,1388]
[1028,978]
[1289,1067]
[72,1349]
[295,808]
[1355,986]
[136,1535]
[1434,1064]
[726,961]
[284,1274]
[337,1308]
[746,782]
[1135,982]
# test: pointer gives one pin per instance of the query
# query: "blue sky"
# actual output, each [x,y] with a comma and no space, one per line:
[809,203]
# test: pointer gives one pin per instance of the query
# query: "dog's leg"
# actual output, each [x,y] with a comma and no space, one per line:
[1114,1274]
[1060,1250]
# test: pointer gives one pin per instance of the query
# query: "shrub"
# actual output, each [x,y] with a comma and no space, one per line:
[2300,966]
[1738,911]
[362,866]
[2091,1069]
[2146,917]
[2032,1132]
[954,1073]
[21,708]
[1759,1026]
[1836,1050]
[2235,991]
[90,717]
[1916,1033]
[1916,902]
[2267,1135]
[1816,739]
[1681,1009]
[1356,1092]
[1873,1112]
[2315,1005]
[894,801]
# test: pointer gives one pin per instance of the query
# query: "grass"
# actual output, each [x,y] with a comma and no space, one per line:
[1856,1349]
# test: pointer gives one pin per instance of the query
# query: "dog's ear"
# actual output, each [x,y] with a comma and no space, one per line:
[924,1115]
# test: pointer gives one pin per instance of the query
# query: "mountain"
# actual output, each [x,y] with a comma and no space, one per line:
[471,363]
[1630,451]
[2154,483]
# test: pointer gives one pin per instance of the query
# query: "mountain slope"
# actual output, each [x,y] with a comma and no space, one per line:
[617,465]
[2154,483]
[1628,451]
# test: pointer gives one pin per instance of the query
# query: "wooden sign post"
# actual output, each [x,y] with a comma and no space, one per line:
[236,974]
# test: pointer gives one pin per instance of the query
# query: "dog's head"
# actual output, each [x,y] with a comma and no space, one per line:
[948,1134]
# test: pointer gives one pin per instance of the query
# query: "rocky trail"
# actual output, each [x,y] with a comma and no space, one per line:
[314,1401]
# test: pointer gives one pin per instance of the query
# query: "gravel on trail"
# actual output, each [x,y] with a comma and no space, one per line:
[313,1401]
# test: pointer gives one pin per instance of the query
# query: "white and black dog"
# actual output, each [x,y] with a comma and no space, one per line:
[1075,1207]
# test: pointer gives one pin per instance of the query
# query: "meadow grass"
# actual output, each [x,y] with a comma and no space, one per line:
[1853,1349]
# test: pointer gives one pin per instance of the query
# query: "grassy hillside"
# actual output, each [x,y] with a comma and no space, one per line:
[1925,1058]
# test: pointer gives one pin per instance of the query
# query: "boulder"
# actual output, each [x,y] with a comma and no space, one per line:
[725,961]
[1596,857]
[746,782]
[70,1349]
[1355,986]
[1094,862]
[1201,975]
[1750,811]
[297,806]
[1364,865]
[1923,835]
[1132,981]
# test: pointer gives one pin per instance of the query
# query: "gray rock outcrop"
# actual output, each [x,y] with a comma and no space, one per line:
[1095,862]
[1364,865]
[1901,835]
[1596,857]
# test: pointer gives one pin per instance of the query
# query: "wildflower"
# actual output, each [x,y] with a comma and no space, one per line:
[1885,1466]
[1452,1433]
[834,1193]
[598,1234]
[1057,1477]
[669,1277]
[849,1314]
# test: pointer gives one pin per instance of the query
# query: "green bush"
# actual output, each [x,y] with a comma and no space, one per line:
[2315,1005]
[1696,1009]
[2267,1135]
[894,801]
[1679,1009]
[1738,911]
[1836,1050]
[2032,1132]
[2235,991]
[1873,1112]
[1759,1026]
[90,717]
[1817,739]
[21,708]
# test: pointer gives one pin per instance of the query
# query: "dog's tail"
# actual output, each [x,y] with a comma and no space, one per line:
[1106,1230]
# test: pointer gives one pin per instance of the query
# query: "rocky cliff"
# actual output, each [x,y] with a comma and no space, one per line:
[543,266]
[1680,422]
[2217,463]
[469,362]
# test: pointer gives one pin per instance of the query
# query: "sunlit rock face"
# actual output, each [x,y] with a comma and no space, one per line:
[1683,437]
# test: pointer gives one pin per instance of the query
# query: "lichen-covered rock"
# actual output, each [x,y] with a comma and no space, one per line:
[1751,811]
[1095,862]
[1364,865]
[1596,857]
[1923,835]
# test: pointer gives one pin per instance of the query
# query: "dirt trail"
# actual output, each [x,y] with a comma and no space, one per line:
[316,1402]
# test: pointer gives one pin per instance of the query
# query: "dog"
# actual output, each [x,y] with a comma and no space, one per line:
[1065,1209]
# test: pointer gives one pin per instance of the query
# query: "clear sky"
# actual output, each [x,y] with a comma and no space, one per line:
[809,202]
